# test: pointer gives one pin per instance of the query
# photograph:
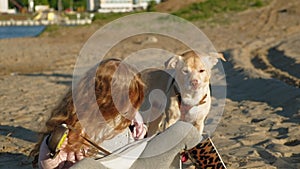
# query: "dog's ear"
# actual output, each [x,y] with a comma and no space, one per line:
[218,55]
[171,63]
[212,59]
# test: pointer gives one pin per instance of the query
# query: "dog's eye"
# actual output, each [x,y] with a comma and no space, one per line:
[201,70]
[185,71]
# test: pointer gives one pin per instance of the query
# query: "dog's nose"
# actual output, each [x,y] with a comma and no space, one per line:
[194,82]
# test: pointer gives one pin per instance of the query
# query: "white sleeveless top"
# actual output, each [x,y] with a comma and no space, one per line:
[118,141]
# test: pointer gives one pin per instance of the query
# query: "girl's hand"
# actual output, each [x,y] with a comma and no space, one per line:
[62,160]
[139,129]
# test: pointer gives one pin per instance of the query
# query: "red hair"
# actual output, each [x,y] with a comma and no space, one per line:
[110,74]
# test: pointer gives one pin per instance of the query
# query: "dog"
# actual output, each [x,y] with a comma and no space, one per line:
[183,91]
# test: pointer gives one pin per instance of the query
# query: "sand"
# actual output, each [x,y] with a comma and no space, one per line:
[260,124]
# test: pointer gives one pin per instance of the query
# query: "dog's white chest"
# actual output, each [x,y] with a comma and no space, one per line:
[196,113]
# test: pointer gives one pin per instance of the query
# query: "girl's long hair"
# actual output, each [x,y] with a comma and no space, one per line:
[116,109]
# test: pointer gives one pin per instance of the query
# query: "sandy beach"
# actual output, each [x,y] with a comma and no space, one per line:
[260,124]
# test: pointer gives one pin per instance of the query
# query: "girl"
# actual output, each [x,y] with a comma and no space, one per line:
[118,110]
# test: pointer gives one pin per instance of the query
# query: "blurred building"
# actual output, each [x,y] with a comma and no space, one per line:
[105,6]
[30,6]
[92,5]
[115,6]
[3,6]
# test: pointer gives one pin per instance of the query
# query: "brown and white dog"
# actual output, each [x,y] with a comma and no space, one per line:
[185,85]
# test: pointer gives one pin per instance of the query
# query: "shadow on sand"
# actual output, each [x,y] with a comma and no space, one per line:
[12,160]
[275,93]
[58,78]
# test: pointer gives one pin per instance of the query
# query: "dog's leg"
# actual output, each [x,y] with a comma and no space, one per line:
[153,126]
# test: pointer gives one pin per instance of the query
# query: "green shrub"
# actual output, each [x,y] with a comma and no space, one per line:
[209,8]
[151,6]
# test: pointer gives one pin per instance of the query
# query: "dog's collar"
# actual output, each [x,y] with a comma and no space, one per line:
[184,107]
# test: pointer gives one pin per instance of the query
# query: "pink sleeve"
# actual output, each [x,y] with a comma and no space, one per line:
[45,162]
